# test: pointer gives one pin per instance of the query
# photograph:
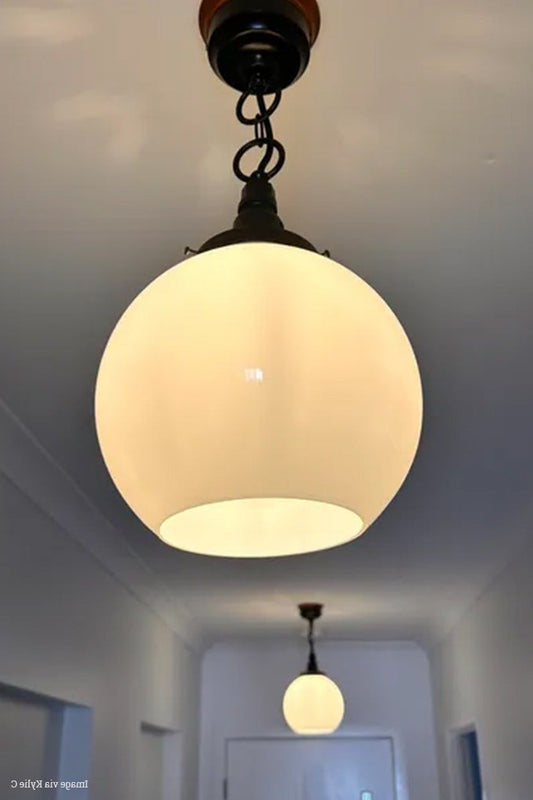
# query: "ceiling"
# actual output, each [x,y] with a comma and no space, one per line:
[408,156]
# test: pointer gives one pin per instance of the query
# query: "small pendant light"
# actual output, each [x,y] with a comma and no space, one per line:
[258,399]
[313,704]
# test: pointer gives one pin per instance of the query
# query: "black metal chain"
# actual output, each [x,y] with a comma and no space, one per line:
[263,134]
[312,662]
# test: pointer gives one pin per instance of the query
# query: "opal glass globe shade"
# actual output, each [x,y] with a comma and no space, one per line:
[258,400]
[313,705]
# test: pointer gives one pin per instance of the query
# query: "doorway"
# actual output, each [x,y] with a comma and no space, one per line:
[44,739]
[343,768]
[160,763]
[469,784]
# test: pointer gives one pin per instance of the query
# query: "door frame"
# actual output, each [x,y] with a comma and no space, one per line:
[289,738]
[459,790]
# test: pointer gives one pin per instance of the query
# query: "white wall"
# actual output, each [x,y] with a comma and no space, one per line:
[483,675]
[386,687]
[70,631]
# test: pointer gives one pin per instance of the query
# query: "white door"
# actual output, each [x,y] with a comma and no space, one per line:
[310,769]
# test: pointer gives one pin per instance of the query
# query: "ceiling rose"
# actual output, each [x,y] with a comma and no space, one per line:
[258,399]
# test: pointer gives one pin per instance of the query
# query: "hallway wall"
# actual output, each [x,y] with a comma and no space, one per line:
[69,631]
[483,676]
[386,688]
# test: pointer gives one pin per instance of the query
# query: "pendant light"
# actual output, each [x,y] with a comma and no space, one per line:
[313,704]
[258,399]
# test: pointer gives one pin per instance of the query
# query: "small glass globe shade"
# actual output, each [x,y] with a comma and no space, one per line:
[313,705]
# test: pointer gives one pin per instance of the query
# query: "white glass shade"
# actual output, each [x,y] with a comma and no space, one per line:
[258,400]
[313,705]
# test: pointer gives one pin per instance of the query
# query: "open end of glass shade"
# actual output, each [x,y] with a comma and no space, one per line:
[261,527]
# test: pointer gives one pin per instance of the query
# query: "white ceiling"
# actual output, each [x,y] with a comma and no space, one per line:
[409,157]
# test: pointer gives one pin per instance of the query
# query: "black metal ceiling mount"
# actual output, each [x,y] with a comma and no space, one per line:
[259,47]
[273,37]
[311,612]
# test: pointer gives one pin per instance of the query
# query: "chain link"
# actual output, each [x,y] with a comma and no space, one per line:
[263,134]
